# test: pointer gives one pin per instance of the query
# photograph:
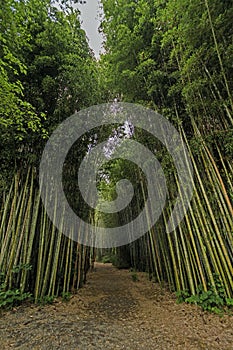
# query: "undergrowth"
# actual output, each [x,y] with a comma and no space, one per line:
[12,297]
[134,275]
[213,300]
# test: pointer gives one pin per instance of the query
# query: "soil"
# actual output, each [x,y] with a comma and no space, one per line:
[113,312]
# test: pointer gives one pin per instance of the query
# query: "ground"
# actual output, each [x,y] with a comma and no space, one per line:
[114,312]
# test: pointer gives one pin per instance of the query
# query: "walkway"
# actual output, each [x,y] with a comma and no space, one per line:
[113,312]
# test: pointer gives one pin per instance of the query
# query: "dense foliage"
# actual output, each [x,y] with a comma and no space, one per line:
[176,58]
[47,73]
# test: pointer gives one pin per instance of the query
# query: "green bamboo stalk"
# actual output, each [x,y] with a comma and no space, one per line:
[174,263]
[26,221]
[218,176]
[34,221]
[41,250]
[6,205]
[10,228]
[218,192]
[50,256]
[66,269]
[16,233]
[56,260]
[226,172]
[189,272]
[69,275]
[218,53]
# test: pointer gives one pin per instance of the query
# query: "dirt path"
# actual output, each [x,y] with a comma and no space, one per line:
[113,312]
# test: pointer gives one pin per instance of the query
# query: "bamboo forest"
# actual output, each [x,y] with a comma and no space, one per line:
[162,61]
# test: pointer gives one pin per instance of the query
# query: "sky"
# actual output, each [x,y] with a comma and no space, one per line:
[90,23]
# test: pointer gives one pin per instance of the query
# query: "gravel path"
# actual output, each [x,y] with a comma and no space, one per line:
[113,312]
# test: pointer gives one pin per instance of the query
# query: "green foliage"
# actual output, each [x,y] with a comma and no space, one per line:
[121,262]
[116,258]
[166,55]
[10,298]
[66,296]
[17,115]
[36,261]
[18,268]
[174,57]
[213,300]
[181,295]
[108,259]
[13,297]
[134,275]
[229,302]
[47,299]
[47,73]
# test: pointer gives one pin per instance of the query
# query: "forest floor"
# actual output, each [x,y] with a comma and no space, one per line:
[113,312]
